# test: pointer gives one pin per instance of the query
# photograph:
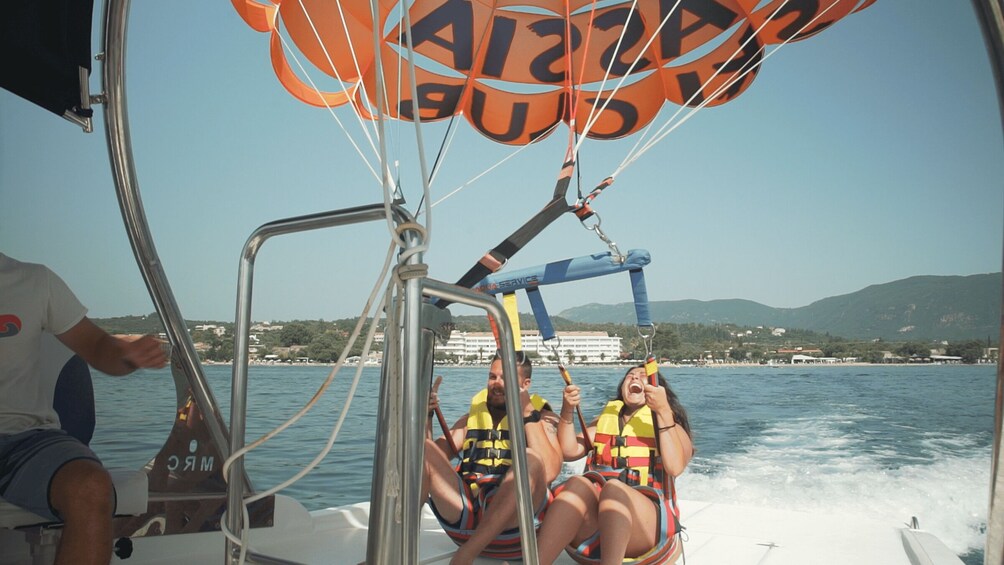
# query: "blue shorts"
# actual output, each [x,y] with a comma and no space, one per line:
[28,462]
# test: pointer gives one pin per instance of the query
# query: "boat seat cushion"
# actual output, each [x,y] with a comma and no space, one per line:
[73,399]
[74,403]
[130,499]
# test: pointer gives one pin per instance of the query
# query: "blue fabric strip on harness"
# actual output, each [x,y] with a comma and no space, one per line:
[563,271]
[540,313]
[640,297]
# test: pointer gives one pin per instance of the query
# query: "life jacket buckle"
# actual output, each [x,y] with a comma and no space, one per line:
[630,477]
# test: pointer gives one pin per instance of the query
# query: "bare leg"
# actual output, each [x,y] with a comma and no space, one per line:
[502,512]
[627,523]
[440,482]
[571,517]
[81,492]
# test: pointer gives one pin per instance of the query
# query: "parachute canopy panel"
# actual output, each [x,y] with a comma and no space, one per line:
[515,68]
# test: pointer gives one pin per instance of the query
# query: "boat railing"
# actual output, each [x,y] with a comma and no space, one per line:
[990,14]
[242,330]
[189,378]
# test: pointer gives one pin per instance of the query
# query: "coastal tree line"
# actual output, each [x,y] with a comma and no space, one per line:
[323,341]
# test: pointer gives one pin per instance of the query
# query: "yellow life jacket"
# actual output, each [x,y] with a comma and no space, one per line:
[629,453]
[486,446]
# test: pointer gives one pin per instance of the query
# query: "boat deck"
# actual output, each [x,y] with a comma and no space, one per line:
[716,534]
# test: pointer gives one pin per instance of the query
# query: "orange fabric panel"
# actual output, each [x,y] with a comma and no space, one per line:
[864,4]
[791,17]
[692,83]
[527,48]
[336,47]
[632,108]
[555,6]
[504,63]
[530,48]
[449,32]
[513,118]
[439,95]
[255,14]
[606,48]
[296,86]
[691,25]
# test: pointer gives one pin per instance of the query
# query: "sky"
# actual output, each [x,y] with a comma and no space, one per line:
[870,153]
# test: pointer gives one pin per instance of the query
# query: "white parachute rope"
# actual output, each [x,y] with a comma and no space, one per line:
[453,129]
[350,395]
[381,105]
[648,144]
[493,167]
[331,376]
[666,129]
[606,71]
[594,115]
[331,111]
[606,75]
[360,85]
[242,542]
[417,118]
[642,138]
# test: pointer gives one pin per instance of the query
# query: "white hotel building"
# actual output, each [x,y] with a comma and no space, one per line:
[586,347]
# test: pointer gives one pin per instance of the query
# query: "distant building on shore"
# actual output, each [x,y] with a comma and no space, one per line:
[585,347]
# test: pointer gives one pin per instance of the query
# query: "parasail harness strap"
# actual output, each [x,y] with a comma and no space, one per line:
[494,259]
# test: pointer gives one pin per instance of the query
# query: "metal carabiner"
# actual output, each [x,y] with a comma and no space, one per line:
[615,251]
[647,339]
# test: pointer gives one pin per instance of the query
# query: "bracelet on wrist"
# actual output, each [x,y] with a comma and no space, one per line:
[567,420]
[664,428]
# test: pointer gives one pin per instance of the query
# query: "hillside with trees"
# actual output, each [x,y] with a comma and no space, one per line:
[917,308]
[322,341]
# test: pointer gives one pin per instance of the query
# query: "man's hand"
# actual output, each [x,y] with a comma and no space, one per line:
[434,395]
[142,352]
[655,398]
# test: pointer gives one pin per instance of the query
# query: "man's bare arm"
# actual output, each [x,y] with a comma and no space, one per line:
[109,354]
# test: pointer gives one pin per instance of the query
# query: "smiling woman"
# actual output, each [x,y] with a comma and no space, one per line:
[640,443]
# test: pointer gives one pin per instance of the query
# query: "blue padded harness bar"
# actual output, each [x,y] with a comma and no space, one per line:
[566,270]
[574,269]
[640,297]
[540,313]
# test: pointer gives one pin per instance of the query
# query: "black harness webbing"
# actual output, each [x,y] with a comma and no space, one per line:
[497,257]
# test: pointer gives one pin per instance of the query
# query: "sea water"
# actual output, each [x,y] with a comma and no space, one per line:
[886,442]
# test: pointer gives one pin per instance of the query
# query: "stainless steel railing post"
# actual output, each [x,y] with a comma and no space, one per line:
[517,436]
[242,327]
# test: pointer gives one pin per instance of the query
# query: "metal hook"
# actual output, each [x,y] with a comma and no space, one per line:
[554,348]
[647,339]
[615,251]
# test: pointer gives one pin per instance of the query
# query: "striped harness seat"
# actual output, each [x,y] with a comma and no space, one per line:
[484,459]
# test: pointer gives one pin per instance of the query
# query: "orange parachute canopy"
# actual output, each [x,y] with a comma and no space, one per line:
[515,68]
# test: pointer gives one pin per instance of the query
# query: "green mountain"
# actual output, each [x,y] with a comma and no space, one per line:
[916,308]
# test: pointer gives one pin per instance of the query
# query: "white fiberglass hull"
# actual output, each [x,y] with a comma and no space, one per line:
[716,534]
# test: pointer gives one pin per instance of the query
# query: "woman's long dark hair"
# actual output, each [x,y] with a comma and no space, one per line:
[679,412]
